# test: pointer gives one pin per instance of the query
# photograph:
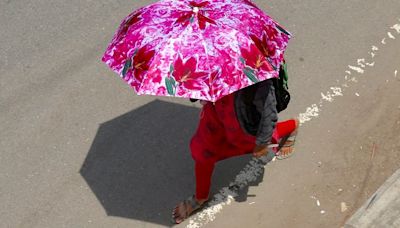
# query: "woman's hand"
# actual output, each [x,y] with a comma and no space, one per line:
[260,150]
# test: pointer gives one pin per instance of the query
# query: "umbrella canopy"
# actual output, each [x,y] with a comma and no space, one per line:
[196,49]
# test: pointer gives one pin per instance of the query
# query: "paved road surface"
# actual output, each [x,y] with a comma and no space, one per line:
[79,149]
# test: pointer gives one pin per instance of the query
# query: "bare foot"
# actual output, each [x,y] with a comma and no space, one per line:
[287,148]
[184,209]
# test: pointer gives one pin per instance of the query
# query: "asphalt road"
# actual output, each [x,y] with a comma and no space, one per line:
[79,149]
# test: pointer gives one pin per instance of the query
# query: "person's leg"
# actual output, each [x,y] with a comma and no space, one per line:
[203,172]
[205,160]
[283,129]
[204,147]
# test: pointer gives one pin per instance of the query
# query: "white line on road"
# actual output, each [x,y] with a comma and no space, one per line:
[391,36]
[357,69]
[255,167]
[396,27]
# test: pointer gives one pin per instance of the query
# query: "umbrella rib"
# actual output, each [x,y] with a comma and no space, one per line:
[173,36]
[240,31]
[165,41]
[206,52]
[169,35]
[263,18]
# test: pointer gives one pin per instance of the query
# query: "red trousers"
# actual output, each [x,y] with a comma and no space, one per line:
[220,136]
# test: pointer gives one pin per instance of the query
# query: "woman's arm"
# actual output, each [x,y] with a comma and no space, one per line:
[269,117]
[269,114]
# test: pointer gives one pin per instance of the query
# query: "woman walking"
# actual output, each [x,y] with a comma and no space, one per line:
[241,123]
[224,52]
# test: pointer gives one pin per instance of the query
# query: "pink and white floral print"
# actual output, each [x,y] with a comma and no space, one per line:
[201,49]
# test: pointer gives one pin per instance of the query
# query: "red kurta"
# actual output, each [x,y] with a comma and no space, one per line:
[220,136]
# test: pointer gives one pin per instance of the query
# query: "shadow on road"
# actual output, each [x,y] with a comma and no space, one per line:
[139,165]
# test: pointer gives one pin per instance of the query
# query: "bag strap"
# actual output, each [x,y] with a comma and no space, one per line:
[283,75]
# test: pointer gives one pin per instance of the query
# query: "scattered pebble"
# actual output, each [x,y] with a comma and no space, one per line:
[343,207]
[317,200]
[395,73]
[340,190]
[252,203]
[322,212]
[357,94]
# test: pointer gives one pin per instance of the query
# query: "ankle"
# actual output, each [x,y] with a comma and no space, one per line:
[201,201]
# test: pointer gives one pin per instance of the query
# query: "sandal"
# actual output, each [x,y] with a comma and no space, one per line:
[287,142]
[186,208]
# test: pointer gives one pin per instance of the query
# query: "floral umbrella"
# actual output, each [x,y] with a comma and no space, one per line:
[196,49]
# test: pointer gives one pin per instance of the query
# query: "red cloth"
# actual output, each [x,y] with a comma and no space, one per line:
[283,129]
[220,136]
